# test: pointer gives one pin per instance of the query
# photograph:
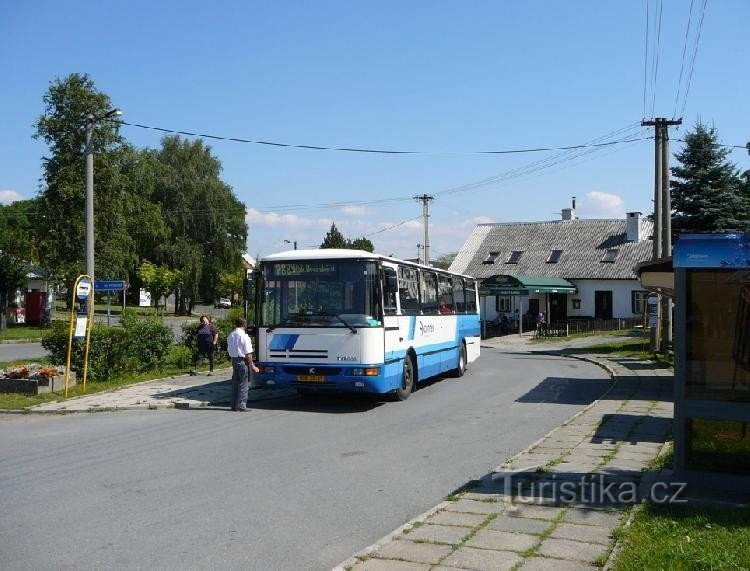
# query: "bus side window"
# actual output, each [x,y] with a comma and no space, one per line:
[445,295]
[408,291]
[471,296]
[458,295]
[428,282]
[389,297]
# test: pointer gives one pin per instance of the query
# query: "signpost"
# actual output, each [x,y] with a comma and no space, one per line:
[109,286]
[80,323]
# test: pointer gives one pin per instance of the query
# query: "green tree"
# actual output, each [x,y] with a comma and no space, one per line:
[362,244]
[60,228]
[205,222]
[444,262]
[159,281]
[230,283]
[707,191]
[17,229]
[334,239]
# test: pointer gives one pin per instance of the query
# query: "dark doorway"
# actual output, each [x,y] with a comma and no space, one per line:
[558,307]
[529,318]
[603,305]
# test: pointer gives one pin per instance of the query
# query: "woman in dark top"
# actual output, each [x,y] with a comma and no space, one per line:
[206,342]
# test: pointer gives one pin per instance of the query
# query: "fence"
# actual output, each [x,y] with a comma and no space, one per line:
[565,328]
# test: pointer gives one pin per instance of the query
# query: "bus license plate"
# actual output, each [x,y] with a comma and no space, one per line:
[311,378]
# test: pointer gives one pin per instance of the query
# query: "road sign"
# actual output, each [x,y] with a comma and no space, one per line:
[83,289]
[110,285]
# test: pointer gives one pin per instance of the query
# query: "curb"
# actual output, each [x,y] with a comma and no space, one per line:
[364,553]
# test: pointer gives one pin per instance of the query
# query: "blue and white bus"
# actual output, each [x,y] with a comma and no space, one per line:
[353,321]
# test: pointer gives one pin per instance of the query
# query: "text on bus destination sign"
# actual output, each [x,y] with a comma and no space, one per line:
[304,269]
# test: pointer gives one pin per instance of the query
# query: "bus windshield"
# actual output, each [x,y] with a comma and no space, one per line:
[331,293]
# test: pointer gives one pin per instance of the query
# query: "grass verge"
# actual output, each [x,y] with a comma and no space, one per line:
[686,538]
[636,348]
[18,401]
[20,333]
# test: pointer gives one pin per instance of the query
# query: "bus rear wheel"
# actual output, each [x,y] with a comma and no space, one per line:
[461,369]
[407,380]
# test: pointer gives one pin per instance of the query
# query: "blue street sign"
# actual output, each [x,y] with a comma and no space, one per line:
[111,285]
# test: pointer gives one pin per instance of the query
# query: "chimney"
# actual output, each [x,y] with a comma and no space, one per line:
[634,226]
[570,213]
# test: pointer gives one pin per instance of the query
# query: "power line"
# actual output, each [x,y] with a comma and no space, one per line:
[684,52]
[645,61]
[656,57]
[393,226]
[695,55]
[364,150]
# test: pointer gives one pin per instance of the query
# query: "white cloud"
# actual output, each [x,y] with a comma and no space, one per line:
[256,218]
[480,220]
[9,196]
[354,210]
[602,205]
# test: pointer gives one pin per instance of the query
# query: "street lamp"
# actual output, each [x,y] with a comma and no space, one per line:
[290,242]
[91,120]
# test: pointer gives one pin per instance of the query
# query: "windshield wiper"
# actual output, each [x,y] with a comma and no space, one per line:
[341,319]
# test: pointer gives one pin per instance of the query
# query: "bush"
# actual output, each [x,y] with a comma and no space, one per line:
[139,345]
[179,357]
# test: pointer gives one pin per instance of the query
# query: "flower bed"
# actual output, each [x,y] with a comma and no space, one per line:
[34,379]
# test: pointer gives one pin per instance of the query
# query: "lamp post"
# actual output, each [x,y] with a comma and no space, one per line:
[91,120]
[290,242]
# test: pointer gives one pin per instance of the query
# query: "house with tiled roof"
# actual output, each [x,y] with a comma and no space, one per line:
[568,269]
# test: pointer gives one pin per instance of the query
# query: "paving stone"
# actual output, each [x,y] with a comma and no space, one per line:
[533,511]
[502,540]
[604,519]
[481,559]
[496,495]
[389,565]
[471,506]
[519,525]
[415,552]
[439,534]
[546,564]
[575,550]
[587,533]
[457,518]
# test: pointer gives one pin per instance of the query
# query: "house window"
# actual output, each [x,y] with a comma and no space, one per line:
[491,257]
[638,301]
[502,304]
[610,255]
[576,304]
[514,256]
[554,256]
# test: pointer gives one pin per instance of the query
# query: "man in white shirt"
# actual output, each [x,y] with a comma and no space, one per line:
[240,348]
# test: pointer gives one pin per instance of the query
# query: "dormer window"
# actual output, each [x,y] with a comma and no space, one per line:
[554,256]
[514,256]
[491,257]
[610,255]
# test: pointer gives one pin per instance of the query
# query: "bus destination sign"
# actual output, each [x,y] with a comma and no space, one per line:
[314,269]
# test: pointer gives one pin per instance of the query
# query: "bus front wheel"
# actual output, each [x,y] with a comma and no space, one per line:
[407,380]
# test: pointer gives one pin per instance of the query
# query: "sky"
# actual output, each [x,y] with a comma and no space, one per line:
[446,79]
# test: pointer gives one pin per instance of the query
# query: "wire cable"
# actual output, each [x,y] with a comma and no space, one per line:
[682,63]
[695,55]
[655,66]
[645,62]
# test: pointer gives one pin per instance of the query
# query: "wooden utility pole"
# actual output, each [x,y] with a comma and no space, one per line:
[425,200]
[662,239]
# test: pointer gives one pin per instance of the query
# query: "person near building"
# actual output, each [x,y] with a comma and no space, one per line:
[240,348]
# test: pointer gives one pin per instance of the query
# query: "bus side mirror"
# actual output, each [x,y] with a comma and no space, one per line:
[391,280]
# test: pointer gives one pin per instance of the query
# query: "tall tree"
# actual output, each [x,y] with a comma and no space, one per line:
[362,244]
[444,262]
[707,191]
[12,275]
[205,221]
[334,238]
[62,198]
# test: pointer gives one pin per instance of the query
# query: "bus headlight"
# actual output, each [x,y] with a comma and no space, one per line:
[366,372]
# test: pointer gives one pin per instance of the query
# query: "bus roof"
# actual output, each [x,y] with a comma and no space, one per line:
[343,254]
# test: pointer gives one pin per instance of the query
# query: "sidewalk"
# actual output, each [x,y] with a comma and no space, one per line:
[556,504]
[185,391]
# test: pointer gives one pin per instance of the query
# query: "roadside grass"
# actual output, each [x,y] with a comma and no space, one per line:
[619,333]
[680,537]
[18,401]
[636,348]
[19,332]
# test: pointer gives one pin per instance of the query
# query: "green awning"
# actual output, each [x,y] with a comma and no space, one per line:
[534,284]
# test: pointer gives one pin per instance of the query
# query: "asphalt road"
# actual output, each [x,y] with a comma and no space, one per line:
[13,351]
[293,484]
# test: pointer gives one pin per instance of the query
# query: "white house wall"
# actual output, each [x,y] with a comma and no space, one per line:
[621,299]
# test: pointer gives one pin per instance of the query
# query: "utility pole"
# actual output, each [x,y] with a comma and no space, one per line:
[419,253]
[662,247]
[425,200]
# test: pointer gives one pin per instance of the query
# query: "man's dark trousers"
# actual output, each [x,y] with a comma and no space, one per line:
[240,382]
